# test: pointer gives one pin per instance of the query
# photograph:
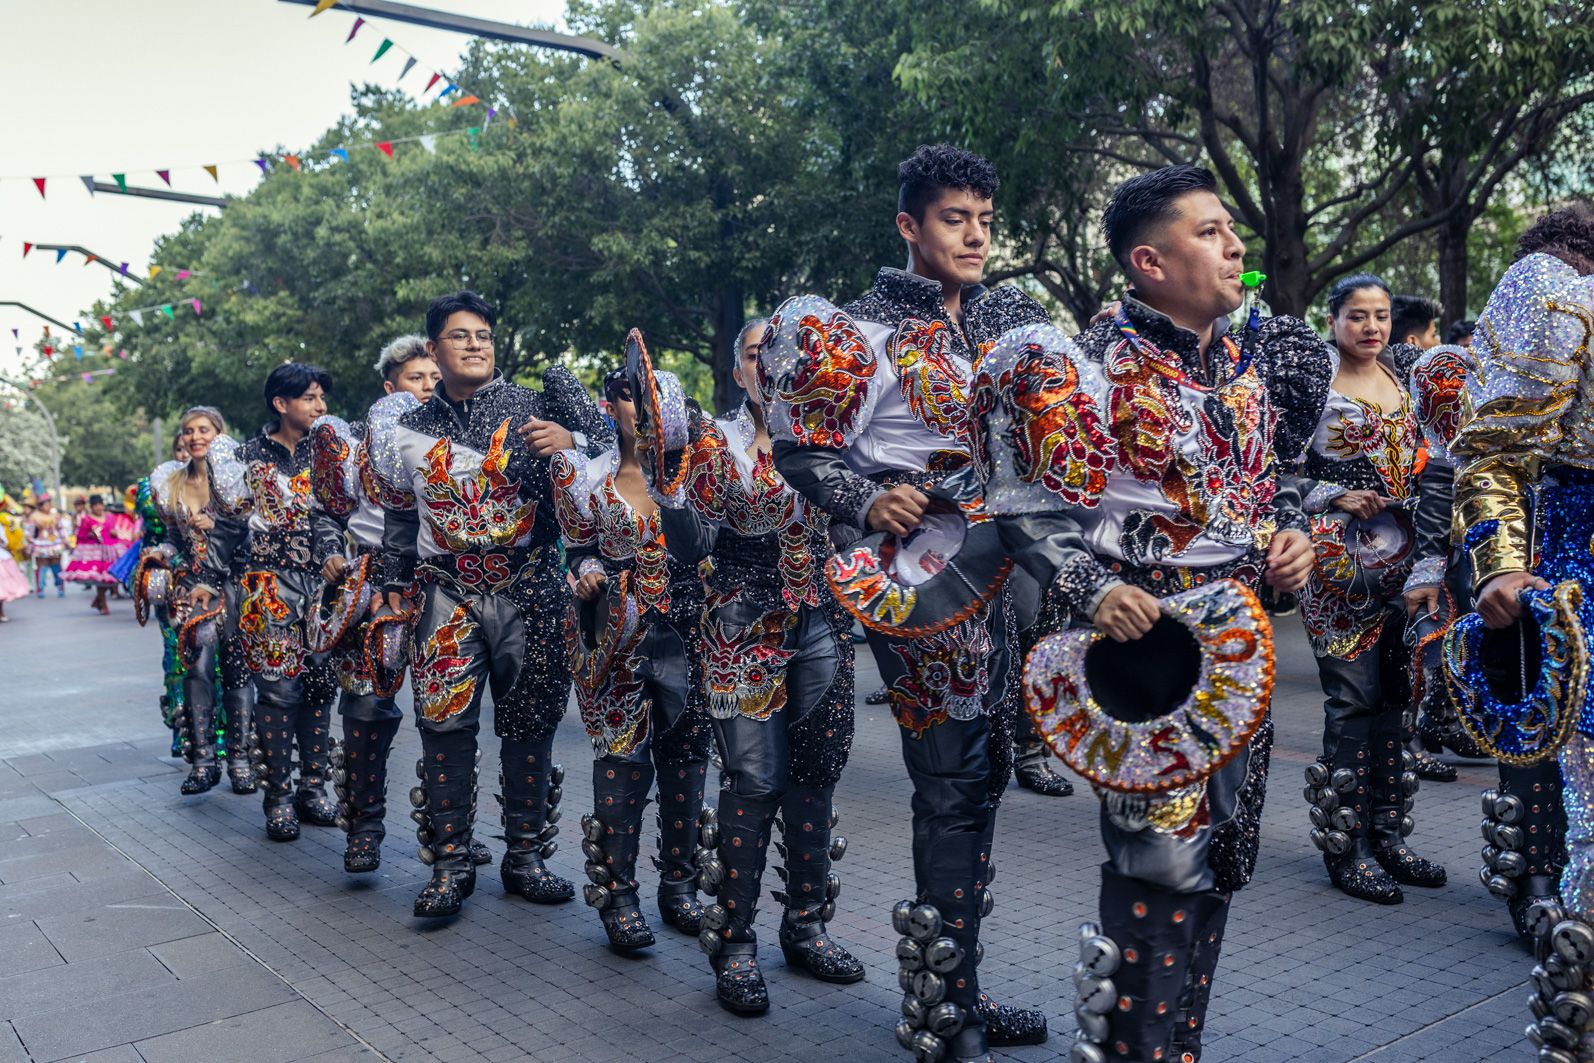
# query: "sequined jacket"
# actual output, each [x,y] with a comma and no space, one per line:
[199,558]
[1529,406]
[765,540]
[460,491]
[346,511]
[603,533]
[1188,458]
[917,419]
[276,506]
[1437,380]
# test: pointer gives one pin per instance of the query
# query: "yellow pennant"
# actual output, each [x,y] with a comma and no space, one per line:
[322,5]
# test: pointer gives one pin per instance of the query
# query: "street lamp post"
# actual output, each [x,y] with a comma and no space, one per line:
[49,424]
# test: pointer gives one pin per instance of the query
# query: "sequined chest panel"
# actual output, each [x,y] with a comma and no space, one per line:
[468,500]
[593,512]
[279,520]
[1359,446]
[932,378]
[1195,464]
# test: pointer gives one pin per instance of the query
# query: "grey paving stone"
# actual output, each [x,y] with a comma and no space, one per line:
[352,1054]
[274,1035]
[26,948]
[194,956]
[56,987]
[92,858]
[119,1054]
[121,926]
[30,806]
[11,1050]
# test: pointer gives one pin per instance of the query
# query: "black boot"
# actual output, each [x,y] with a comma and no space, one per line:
[1135,965]
[611,840]
[360,774]
[1438,725]
[680,805]
[531,791]
[1034,773]
[811,889]
[1524,830]
[1005,1024]
[939,950]
[199,744]
[310,800]
[446,798]
[1394,793]
[274,728]
[731,867]
[240,708]
[1191,1018]
[1341,807]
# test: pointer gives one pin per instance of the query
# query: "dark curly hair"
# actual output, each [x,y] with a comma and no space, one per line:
[1568,234]
[933,167]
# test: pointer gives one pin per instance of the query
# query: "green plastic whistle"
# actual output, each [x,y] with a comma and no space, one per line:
[1252,279]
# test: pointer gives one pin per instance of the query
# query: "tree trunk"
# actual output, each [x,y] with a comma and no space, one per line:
[1289,281]
[730,308]
[1452,239]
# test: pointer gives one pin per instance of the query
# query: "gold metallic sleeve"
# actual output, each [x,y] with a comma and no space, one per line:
[1496,488]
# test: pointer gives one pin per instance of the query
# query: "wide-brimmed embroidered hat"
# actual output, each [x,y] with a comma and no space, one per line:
[340,606]
[386,646]
[661,419]
[937,576]
[1519,690]
[601,633]
[1166,710]
[1363,558]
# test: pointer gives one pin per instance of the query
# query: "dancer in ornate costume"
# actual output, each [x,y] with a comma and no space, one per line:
[367,654]
[637,659]
[94,554]
[294,688]
[1518,667]
[868,408]
[1134,472]
[182,578]
[46,543]
[468,509]
[154,533]
[779,666]
[1359,485]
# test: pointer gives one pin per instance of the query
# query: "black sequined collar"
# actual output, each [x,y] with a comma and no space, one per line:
[461,408]
[1159,329]
[919,296]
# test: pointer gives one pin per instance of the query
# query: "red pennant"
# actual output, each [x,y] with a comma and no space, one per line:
[38,182]
[385,147]
[165,175]
[105,319]
[435,79]
[49,352]
[26,247]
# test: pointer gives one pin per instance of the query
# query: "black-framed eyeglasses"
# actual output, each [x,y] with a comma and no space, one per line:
[461,338]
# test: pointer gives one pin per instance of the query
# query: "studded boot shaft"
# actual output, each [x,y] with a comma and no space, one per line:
[446,799]
[315,745]
[611,840]
[1005,1024]
[811,887]
[1339,790]
[731,866]
[939,950]
[680,805]
[1191,1017]
[240,708]
[1394,795]
[1524,834]
[532,789]
[274,730]
[360,774]
[199,739]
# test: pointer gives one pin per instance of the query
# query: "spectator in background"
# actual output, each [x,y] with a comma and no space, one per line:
[1460,332]
[1414,320]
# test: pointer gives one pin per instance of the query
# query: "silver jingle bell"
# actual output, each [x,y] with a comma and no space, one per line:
[1490,854]
[1097,995]
[1508,808]
[838,847]
[832,886]
[598,874]
[1563,976]
[924,922]
[708,941]
[1538,1005]
[592,850]
[554,795]
[1344,780]
[905,1031]
[905,980]
[1091,1025]
[827,911]
[929,987]
[710,875]
[418,796]
[1343,819]
[987,903]
[715,917]
[1573,942]
[945,1019]
[709,835]
[1575,1008]
[556,774]
[1511,864]
[913,1010]
[425,855]
[591,829]
[596,896]
[1336,842]
[928,1048]
[1318,817]
[900,913]
[1101,956]
[943,956]
[1543,917]
[1557,1034]
[1317,774]
[548,850]
[1409,784]
[1489,796]
[1086,1052]
[1499,887]
[1407,825]
[1318,837]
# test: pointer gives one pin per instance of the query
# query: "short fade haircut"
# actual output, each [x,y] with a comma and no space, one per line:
[1568,234]
[399,353]
[934,167]
[1409,314]
[1460,330]
[1144,203]
[292,379]
[445,306]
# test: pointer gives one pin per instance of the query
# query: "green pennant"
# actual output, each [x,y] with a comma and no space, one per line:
[121,180]
[382,49]
[473,133]
[167,310]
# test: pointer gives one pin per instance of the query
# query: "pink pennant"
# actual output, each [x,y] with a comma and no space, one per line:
[165,175]
[196,306]
[357,24]
[183,274]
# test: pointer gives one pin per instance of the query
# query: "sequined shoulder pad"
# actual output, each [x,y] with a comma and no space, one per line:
[383,462]
[1038,430]
[333,476]
[1438,382]
[230,494]
[816,372]
[572,473]
[1298,368]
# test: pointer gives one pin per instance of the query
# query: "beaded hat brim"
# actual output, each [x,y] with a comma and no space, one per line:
[339,607]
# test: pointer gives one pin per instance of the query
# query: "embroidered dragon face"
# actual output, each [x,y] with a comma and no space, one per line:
[1438,383]
[282,502]
[747,666]
[935,383]
[1057,429]
[329,452]
[479,509]
[827,387]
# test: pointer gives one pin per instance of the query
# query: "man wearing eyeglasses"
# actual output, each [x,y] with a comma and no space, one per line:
[468,516]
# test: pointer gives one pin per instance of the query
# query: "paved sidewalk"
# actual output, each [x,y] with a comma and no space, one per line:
[143,925]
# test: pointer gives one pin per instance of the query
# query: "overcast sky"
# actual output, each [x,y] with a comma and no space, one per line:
[132,86]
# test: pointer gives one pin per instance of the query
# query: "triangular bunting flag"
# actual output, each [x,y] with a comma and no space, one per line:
[14,334]
[121,180]
[124,269]
[167,310]
[77,352]
[122,354]
[154,271]
[381,49]
[38,182]
[183,274]
[88,182]
[385,147]
[165,175]
[105,319]
[49,352]
[292,160]
[473,134]
[210,168]
[87,258]
[451,88]
[322,5]
[26,247]
[435,79]
[60,253]
[196,306]
[342,153]
[77,326]
[137,316]
[261,162]
[409,64]
[429,142]
[466,101]
[357,24]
